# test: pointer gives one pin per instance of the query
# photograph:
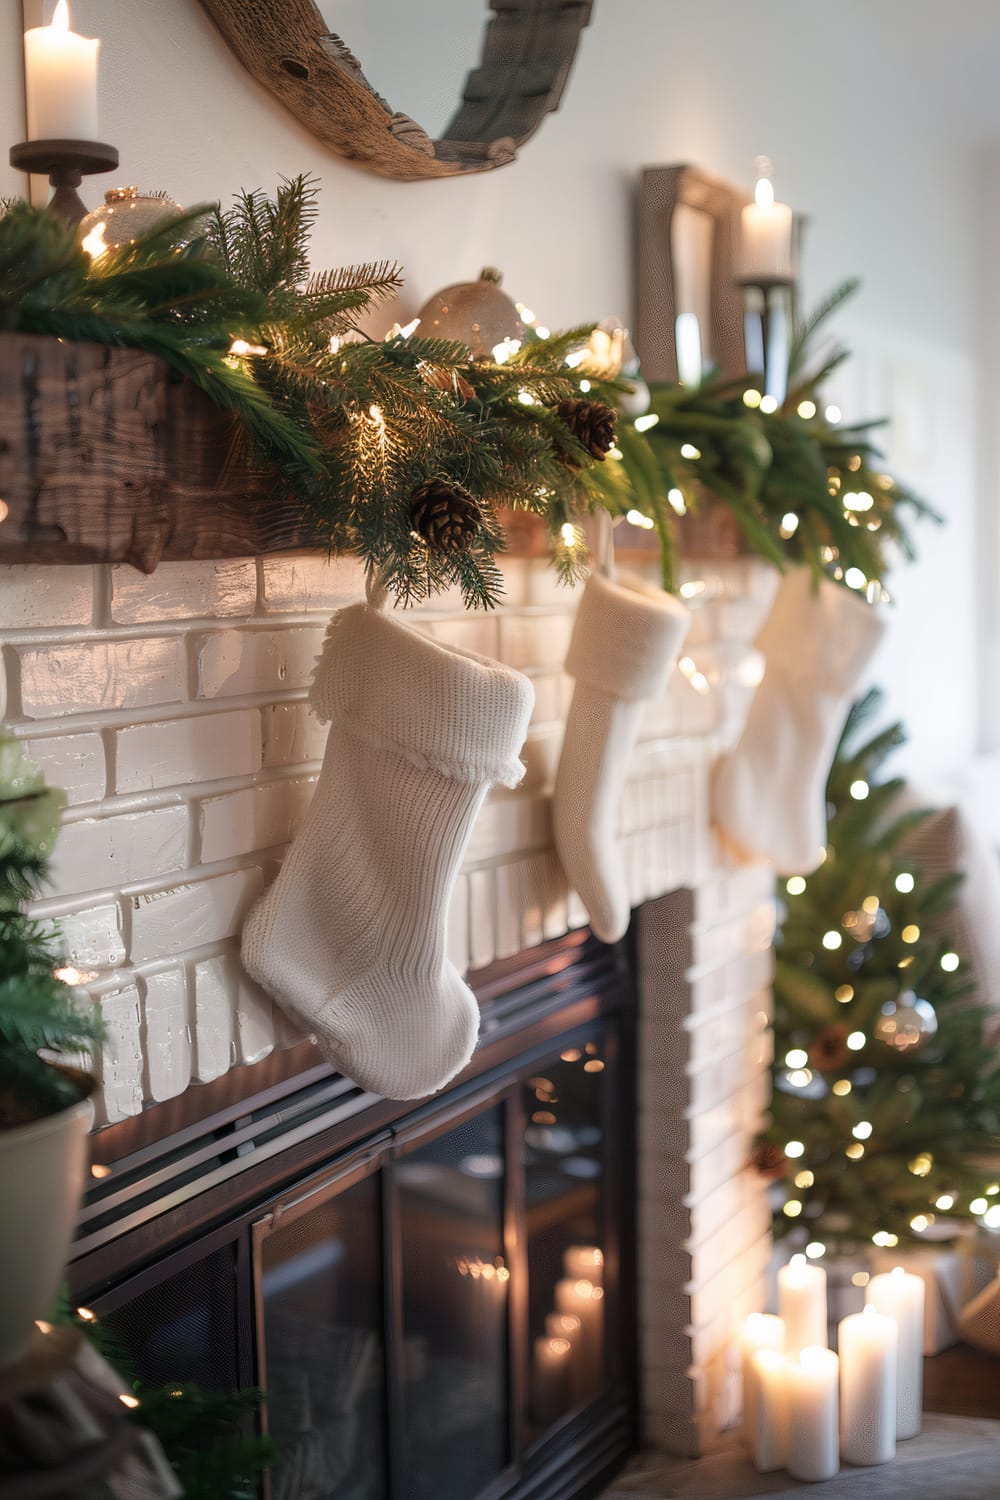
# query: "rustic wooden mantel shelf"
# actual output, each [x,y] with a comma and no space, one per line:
[106,456]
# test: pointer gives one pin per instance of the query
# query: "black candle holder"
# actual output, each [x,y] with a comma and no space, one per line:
[66,163]
[774,304]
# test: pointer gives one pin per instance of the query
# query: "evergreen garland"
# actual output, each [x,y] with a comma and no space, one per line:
[354,427]
[933,1110]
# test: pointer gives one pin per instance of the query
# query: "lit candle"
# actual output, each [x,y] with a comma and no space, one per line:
[550,1383]
[584,1263]
[760,1331]
[766,233]
[900,1296]
[60,80]
[802,1304]
[568,1326]
[813,1423]
[585,1301]
[769,1443]
[867,1342]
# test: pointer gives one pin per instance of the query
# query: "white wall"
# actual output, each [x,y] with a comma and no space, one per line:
[869,113]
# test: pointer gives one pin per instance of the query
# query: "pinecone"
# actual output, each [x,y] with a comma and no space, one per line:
[591,424]
[769,1159]
[446,518]
[829,1050]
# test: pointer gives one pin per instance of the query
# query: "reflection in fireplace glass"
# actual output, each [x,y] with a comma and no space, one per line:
[454,1285]
[563,1155]
[322,1280]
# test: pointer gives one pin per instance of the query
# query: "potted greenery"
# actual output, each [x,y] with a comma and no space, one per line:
[45,1032]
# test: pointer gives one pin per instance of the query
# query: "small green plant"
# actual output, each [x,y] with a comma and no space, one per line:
[38,1012]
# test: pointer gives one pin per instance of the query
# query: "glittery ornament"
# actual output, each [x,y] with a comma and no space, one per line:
[906,1024]
[475,313]
[126,214]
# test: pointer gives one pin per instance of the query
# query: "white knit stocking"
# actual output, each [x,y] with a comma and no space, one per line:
[351,937]
[769,793]
[625,640]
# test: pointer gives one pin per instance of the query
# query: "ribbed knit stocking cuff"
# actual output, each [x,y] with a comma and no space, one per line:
[824,634]
[463,715]
[626,637]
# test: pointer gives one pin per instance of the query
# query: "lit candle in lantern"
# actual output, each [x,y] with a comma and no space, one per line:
[900,1296]
[60,79]
[584,1263]
[813,1451]
[760,1331]
[802,1304]
[550,1383]
[867,1342]
[585,1301]
[765,233]
[770,1436]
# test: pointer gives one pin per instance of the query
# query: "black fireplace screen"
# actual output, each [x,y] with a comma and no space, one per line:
[443,1310]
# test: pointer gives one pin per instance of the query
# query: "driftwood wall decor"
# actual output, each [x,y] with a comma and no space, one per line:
[527,52]
[662,191]
[105,456]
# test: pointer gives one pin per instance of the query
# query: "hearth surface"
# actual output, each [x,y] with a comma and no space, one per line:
[954,1458]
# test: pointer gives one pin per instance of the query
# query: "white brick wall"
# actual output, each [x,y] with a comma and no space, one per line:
[172,710]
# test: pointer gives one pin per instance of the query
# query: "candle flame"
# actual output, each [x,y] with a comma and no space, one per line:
[60,16]
[763,193]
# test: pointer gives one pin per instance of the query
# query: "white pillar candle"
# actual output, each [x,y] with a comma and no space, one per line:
[584,1263]
[867,1342]
[585,1301]
[568,1326]
[550,1380]
[760,1331]
[770,1436]
[900,1296]
[60,80]
[802,1304]
[765,237]
[813,1451]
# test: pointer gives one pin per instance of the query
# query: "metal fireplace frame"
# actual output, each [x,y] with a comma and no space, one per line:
[258,1156]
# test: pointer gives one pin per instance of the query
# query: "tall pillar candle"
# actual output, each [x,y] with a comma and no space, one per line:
[769,1445]
[765,235]
[550,1380]
[760,1331]
[813,1451]
[900,1296]
[585,1301]
[568,1326]
[584,1263]
[802,1304]
[868,1345]
[60,81]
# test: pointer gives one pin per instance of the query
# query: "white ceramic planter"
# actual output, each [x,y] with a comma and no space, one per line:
[42,1168]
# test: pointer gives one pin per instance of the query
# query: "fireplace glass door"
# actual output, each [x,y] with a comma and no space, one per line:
[430,1317]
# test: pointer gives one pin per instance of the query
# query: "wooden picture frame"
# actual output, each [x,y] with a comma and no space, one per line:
[664,194]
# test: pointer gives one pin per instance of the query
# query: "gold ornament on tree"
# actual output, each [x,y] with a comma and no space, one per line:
[475,313]
[445,516]
[906,1024]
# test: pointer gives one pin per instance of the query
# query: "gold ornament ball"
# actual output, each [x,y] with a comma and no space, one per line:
[476,313]
[127,214]
[906,1024]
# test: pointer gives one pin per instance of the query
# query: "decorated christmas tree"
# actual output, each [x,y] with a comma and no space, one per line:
[886,1107]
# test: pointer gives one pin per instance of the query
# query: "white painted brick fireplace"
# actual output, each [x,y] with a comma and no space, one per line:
[172,710]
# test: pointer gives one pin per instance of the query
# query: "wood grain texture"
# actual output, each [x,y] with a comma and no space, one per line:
[528,51]
[661,190]
[105,456]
